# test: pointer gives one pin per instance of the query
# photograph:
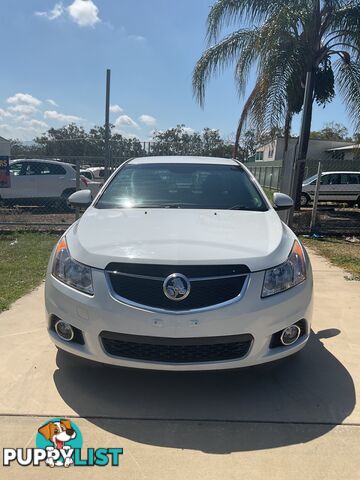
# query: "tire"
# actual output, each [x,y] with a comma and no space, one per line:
[305,199]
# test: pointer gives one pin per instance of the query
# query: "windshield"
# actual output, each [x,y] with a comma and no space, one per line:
[309,180]
[182,186]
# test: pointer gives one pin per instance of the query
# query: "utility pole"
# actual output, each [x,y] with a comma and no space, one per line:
[107,125]
[303,139]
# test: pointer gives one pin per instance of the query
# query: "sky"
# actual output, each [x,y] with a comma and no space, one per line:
[55,55]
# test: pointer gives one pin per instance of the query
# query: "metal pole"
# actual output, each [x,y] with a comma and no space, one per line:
[107,125]
[316,200]
[303,139]
[77,209]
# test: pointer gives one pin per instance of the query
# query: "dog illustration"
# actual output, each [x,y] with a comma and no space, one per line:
[58,433]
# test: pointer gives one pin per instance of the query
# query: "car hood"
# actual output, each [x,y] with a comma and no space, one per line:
[180,236]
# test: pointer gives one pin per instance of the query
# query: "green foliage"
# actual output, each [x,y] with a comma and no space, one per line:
[183,141]
[284,41]
[332,131]
[72,141]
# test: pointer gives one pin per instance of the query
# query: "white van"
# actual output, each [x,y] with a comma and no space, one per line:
[343,187]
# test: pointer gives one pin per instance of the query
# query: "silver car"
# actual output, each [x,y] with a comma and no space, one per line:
[341,187]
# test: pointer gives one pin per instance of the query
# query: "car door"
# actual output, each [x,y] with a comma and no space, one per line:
[50,180]
[19,183]
[350,186]
[330,188]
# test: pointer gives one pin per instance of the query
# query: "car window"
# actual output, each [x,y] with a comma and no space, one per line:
[54,169]
[40,168]
[182,186]
[31,168]
[15,168]
[86,174]
[349,179]
[331,179]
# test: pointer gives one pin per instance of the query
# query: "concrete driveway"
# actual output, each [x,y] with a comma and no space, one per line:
[293,420]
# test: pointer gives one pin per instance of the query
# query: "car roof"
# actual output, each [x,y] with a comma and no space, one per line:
[183,159]
[340,171]
[40,160]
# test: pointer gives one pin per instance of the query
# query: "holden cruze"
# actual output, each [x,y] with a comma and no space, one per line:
[179,263]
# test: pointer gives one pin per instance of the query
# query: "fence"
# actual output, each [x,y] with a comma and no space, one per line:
[41,200]
[268,174]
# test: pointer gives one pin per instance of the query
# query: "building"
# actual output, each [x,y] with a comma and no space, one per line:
[318,150]
[4,147]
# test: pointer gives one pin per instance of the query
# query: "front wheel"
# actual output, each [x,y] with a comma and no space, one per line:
[305,199]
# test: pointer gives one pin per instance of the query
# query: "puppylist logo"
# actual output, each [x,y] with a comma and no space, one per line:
[58,444]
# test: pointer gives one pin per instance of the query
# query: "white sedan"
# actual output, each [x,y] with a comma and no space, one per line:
[180,263]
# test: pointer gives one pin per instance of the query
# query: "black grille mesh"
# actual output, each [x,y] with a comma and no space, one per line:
[181,351]
[203,293]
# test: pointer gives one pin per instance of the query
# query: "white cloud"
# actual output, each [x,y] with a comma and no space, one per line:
[23,99]
[188,130]
[84,12]
[148,120]
[126,134]
[24,109]
[125,121]
[5,113]
[116,109]
[38,124]
[60,117]
[137,38]
[56,12]
[52,102]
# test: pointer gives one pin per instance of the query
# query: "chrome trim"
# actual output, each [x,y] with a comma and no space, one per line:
[293,341]
[140,306]
[56,327]
[187,284]
[162,279]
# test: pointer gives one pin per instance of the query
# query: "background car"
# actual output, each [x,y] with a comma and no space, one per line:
[341,187]
[41,182]
[91,182]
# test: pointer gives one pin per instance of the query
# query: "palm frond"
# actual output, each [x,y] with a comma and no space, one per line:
[348,79]
[220,56]
[230,12]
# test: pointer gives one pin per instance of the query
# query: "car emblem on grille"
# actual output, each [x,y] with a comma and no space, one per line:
[176,287]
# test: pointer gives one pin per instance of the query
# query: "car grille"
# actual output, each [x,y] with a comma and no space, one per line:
[210,284]
[180,350]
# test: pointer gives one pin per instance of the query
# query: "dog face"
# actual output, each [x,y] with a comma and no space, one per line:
[58,432]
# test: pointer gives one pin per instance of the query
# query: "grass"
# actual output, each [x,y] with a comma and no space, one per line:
[339,252]
[23,260]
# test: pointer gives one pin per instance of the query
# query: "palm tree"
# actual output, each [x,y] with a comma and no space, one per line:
[285,41]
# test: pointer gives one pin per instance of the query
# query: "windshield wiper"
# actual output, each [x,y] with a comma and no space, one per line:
[241,207]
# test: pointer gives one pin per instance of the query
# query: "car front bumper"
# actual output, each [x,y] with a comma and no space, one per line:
[251,314]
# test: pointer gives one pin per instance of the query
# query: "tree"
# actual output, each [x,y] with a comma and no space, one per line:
[332,131]
[65,142]
[284,41]
[184,141]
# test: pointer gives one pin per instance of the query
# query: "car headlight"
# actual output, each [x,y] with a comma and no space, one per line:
[287,275]
[71,272]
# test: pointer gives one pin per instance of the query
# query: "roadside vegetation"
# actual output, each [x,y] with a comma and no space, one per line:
[23,262]
[339,252]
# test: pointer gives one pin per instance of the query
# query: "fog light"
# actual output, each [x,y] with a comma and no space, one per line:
[290,335]
[64,330]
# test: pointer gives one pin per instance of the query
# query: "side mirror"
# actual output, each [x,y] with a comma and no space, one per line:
[282,201]
[81,199]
